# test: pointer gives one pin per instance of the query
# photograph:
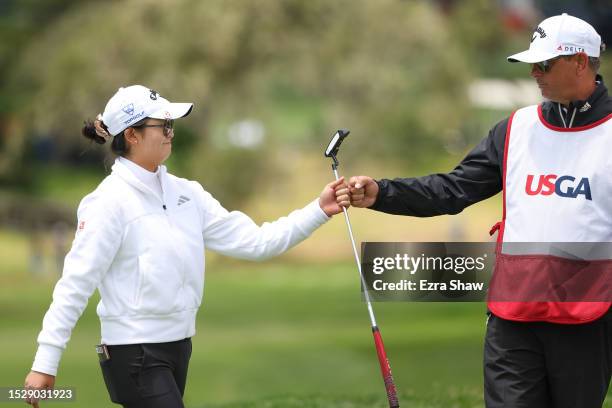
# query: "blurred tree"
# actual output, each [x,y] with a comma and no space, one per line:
[391,71]
[21,23]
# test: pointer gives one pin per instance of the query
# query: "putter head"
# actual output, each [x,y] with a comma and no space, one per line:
[334,143]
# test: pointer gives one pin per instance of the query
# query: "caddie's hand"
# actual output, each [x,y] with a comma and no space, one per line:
[38,381]
[363,191]
[328,198]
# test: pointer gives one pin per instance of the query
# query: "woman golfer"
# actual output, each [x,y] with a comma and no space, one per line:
[140,241]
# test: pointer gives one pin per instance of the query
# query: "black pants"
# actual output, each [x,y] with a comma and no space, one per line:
[147,375]
[546,365]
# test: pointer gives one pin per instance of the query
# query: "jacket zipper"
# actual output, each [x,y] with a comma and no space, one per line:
[179,254]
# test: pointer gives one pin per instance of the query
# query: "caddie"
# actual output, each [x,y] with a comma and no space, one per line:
[552,162]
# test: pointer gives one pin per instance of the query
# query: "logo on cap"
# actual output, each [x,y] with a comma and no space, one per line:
[129,109]
[154,94]
[540,31]
[570,48]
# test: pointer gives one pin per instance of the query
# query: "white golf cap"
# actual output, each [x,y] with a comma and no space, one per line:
[134,103]
[560,35]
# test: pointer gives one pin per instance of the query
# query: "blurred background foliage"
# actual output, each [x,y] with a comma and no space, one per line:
[387,68]
[299,68]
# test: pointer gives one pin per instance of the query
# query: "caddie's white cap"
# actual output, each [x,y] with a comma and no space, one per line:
[134,103]
[560,35]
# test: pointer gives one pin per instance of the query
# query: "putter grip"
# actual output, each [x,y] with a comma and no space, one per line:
[385,369]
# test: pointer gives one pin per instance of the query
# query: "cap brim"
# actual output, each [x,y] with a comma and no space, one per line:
[531,56]
[173,111]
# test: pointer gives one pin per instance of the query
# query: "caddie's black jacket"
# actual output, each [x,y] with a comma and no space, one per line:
[479,175]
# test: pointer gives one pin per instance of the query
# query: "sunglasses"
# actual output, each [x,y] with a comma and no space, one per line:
[167,126]
[545,66]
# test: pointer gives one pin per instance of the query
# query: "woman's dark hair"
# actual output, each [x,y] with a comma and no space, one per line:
[118,145]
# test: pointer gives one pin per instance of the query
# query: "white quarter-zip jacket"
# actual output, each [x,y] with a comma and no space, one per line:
[145,255]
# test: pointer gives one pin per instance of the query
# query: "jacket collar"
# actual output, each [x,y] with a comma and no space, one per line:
[584,112]
[598,96]
[121,170]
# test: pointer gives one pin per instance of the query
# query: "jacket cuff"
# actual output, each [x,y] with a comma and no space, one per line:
[47,359]
[382,191]
[317,212]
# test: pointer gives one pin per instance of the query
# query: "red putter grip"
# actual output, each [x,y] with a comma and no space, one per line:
[385,369]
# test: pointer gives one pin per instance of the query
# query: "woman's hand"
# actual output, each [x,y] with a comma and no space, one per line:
[333,197]
[38,381]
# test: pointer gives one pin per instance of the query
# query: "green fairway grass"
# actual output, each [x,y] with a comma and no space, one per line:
[444,399]
[274,334]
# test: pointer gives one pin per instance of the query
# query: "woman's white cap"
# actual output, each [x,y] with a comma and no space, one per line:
[134,103]
[560,35]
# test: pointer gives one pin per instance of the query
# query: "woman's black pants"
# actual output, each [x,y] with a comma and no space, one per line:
[151,375]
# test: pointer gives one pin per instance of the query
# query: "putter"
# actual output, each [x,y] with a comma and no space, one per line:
[385,367]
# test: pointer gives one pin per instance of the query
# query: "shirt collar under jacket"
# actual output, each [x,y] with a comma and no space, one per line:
[128,170]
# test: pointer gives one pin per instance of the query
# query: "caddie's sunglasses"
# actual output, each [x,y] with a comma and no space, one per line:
[168,126]
[545,66]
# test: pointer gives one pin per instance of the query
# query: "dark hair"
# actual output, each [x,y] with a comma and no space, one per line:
[594,64]
[118,145]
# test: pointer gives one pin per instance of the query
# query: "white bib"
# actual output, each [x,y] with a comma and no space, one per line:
[557,197]
[558,184]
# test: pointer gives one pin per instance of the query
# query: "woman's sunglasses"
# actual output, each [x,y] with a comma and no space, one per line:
[168,126]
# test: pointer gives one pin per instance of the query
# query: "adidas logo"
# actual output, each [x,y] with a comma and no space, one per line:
[585,107]
[182,200]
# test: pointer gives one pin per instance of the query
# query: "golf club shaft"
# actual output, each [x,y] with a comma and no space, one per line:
[385,367]
[356,254]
